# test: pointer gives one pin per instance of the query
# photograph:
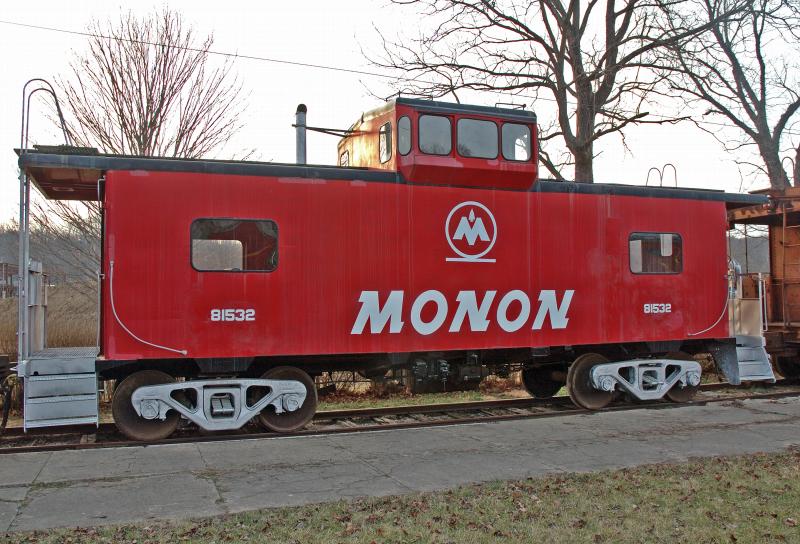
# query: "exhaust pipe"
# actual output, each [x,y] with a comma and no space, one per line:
[300,133]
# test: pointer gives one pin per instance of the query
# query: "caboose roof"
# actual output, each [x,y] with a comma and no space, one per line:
[62,173]
[72,174]
[432,106]
[785,202]
[425,105]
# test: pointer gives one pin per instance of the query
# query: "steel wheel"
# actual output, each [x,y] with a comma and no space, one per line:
[678,393]
[788,367]
[539,382]
[288,422]
[128,421]
[579,386]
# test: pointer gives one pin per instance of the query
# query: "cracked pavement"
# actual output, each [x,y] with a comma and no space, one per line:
[138,484]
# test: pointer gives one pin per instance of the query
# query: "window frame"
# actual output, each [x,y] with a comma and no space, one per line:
[676,273]
[530,136]
[410,135]
[253,220]
[385,128]
[498,142]
[419,132]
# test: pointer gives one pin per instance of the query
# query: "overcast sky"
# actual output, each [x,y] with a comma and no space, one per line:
[319,32]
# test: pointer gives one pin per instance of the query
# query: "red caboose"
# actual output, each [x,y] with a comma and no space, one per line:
[431,247]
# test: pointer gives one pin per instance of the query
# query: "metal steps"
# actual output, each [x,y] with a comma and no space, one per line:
[754,363]
[60,387]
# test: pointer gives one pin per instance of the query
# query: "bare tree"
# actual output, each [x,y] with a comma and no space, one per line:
[66,238]
[593,59]
[144,86]
[797,167]
[745,70]
[67,250]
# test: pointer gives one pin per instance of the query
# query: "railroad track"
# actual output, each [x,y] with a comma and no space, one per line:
[368,419]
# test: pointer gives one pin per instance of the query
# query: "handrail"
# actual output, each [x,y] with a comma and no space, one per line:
[661,171]
[23,324]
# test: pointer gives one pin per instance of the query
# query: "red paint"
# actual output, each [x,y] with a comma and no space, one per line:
[450,169]
[453,169]
[339,238]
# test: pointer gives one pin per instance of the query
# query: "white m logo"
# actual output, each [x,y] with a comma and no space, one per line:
[472,229]
[475,232]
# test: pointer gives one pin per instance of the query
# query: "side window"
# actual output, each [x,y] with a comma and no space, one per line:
[404,135]
[477,139]
[385,142]
[516,142]
[344,159]
[655,253]
[435,135]
[234,245]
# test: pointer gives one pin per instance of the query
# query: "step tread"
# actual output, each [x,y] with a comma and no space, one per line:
[65,353]
[61,398]
[749,350]
[758,378]
[87,420]
[52,377]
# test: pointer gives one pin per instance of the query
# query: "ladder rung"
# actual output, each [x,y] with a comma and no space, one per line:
[61,398]
[57,422]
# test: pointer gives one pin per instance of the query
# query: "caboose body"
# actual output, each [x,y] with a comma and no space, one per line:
[432,247]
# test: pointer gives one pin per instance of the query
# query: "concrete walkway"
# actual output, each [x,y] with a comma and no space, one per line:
[93,487]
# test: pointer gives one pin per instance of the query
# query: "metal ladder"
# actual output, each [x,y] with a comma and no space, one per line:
[754,364]
[748,320]
[60,387]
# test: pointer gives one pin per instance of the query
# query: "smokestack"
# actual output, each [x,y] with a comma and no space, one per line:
[300,133]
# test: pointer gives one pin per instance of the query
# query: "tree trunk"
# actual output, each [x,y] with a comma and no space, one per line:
[583,144]
[584,168]
[772,160]
[797,168]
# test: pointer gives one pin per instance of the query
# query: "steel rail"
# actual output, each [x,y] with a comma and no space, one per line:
[443,409]
[18,431]
[330,414]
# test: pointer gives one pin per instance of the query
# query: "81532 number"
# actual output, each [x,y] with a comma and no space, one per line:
[233,314]
[657,308]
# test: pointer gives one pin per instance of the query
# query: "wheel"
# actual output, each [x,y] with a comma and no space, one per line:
[288,422]
[678,393]
[788,367]
[540,383]
[579,386]
[128,421]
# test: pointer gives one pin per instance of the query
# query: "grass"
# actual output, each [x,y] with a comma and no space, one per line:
[753,498]
[8,327]
[491,389]
[411,400]
[71,320]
